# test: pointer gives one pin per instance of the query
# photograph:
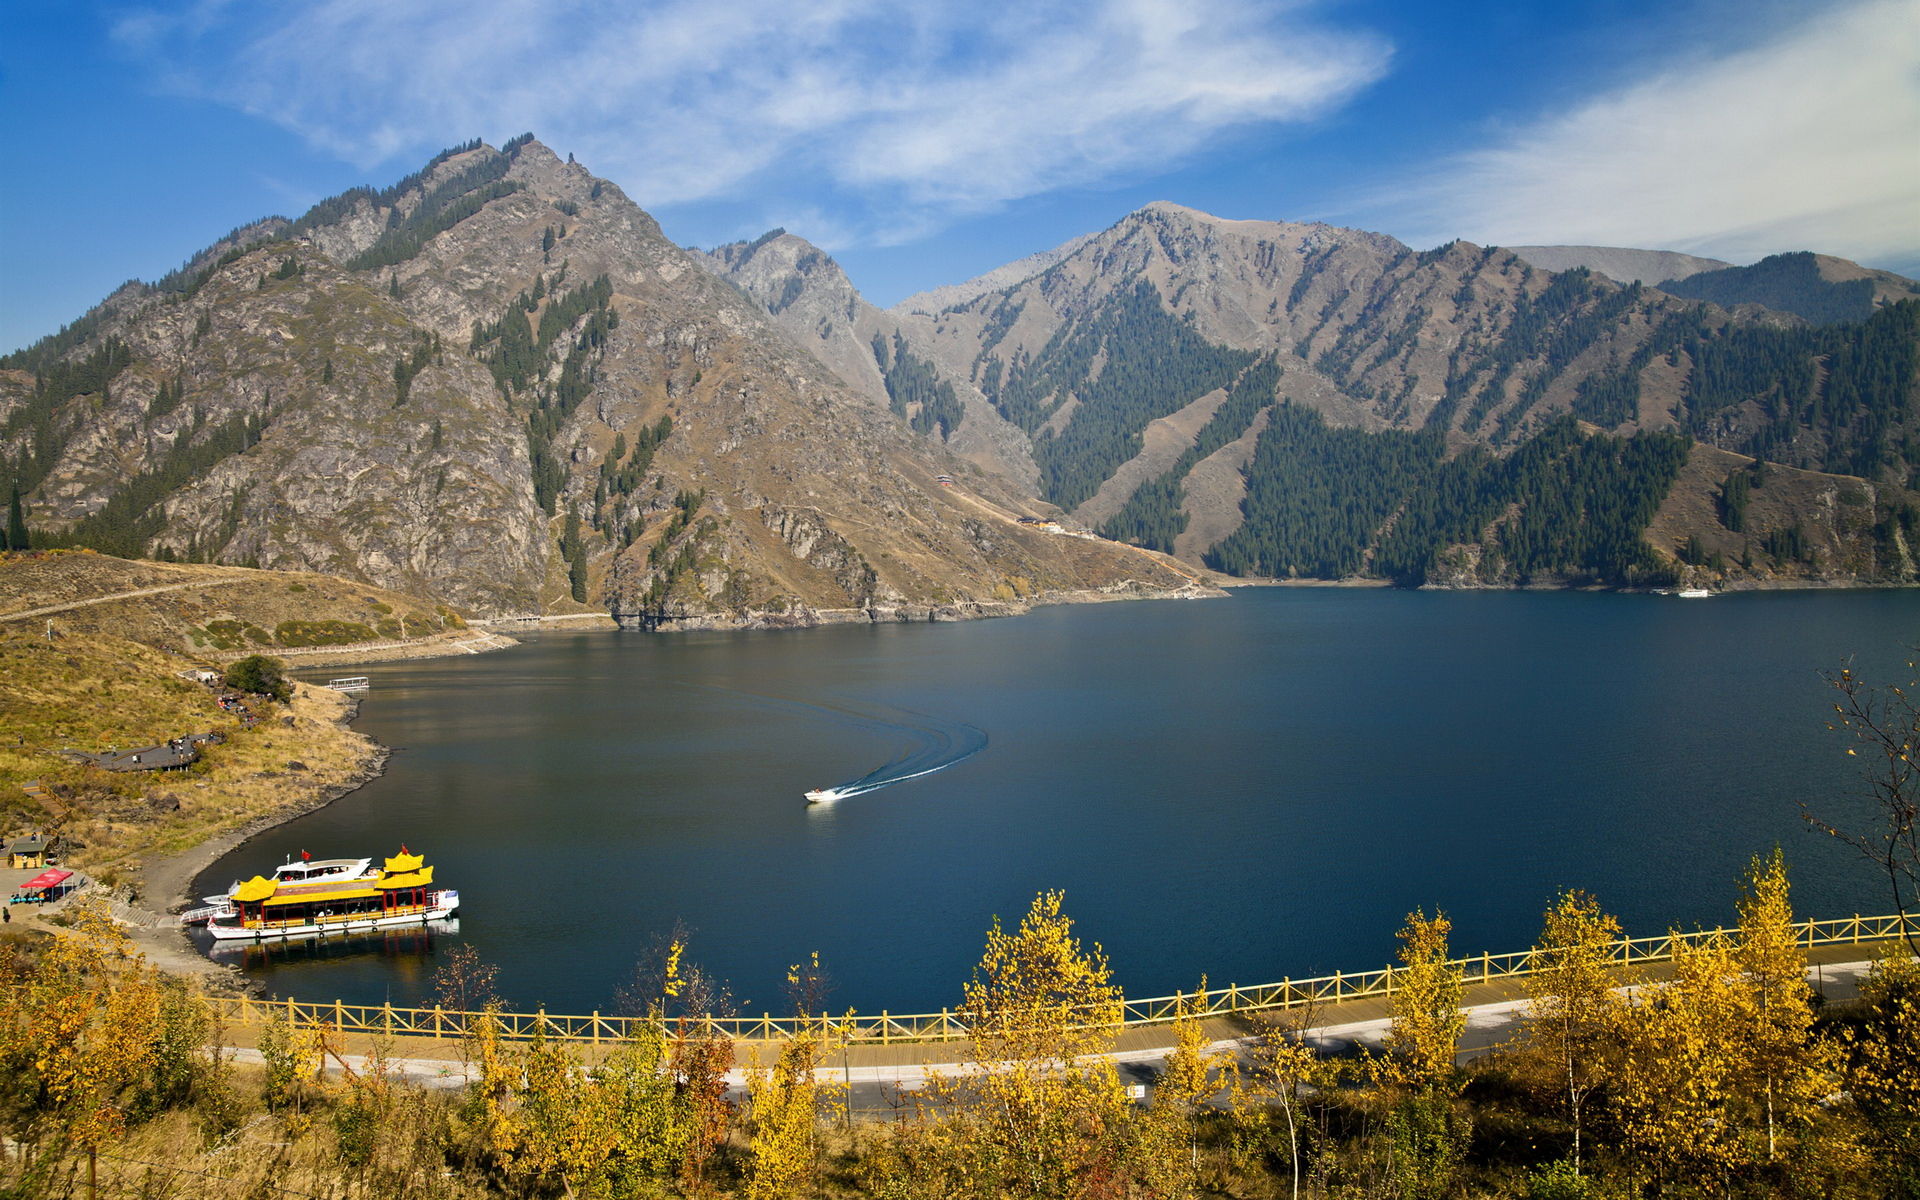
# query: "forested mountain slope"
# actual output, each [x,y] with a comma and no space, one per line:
[1407,390]
[1818,288]
[497,383]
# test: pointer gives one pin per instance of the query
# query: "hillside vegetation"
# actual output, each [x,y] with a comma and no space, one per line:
[95,692]
[210,611]
[1718,1076]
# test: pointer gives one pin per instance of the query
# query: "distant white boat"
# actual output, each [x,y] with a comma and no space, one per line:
[1693,593]
[352,683]
[823,795]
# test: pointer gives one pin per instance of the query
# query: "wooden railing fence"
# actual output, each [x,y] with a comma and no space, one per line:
[947,1025]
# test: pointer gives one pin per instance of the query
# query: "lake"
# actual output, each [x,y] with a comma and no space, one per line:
[1253,788]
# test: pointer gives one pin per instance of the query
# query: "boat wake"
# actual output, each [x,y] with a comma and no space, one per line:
[939,745]
[931,744]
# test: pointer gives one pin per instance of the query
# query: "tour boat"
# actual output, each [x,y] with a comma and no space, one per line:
[332,895]
[1693,593]
[309,869]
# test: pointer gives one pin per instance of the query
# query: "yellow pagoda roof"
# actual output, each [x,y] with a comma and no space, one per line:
[403,861]
[257,888]
[346,893]
[408,879]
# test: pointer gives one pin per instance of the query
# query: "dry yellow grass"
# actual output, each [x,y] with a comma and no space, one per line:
[206,610]
[242,1152]
[92,692]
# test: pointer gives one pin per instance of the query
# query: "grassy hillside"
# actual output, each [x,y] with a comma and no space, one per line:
[1731,520]
[206,611]
[96,691]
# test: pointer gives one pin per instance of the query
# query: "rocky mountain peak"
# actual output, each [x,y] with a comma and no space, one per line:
[496,382]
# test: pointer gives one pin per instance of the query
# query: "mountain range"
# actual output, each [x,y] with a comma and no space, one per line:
[496,383]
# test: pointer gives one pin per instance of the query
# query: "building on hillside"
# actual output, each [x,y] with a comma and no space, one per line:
[29,852]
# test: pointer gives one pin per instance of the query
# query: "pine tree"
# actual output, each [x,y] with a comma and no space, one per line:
[17,536]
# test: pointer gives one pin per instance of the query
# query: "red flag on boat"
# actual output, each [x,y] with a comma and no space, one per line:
[305,857]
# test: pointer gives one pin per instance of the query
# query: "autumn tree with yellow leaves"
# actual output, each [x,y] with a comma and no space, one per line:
[91,1039]
[1883,1064]
[1679,1080]
[1723,1077]
[1039,1111]
[785,1102]
[1282,1071]
[1170,1132]
[1574,1024]
[1427,1131]
[1792,1071]
[1425,1002]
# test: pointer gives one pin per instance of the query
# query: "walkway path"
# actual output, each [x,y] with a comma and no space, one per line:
[50,609]
[876,1074]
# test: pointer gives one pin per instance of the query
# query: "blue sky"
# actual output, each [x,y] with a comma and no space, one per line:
[925,143]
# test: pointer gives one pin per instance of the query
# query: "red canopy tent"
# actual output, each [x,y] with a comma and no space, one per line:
[46,881]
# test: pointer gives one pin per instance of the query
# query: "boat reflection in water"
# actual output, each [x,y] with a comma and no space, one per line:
[403,942]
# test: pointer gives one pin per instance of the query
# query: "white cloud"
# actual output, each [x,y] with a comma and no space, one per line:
[903,116]
[1810,140]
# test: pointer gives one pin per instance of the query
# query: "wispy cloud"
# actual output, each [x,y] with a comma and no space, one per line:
[898,117]
[1809,140]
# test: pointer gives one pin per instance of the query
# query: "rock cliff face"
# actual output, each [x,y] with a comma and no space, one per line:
[935,301]
[497,383]
[811,299]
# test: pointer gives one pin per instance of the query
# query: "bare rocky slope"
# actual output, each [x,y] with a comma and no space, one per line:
[1620,263]
[935,301]
[496,383]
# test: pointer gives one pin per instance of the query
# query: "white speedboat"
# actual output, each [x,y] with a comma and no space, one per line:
[823,795]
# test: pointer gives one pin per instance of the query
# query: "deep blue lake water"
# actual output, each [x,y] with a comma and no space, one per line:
[1254,788]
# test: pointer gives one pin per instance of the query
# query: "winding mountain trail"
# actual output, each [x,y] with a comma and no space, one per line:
[49,609]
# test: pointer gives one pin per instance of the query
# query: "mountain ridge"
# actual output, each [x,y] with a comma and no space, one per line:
[1470,343]
[496,381]
[1622,264]
[499,383]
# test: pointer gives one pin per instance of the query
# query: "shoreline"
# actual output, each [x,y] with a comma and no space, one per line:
[164,882]
[162,886]
[469,641]
[908,613]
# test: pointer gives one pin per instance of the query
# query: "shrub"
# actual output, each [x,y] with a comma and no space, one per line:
[322,633]
[260,675]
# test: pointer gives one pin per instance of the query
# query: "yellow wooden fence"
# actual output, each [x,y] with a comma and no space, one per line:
[946,1025]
